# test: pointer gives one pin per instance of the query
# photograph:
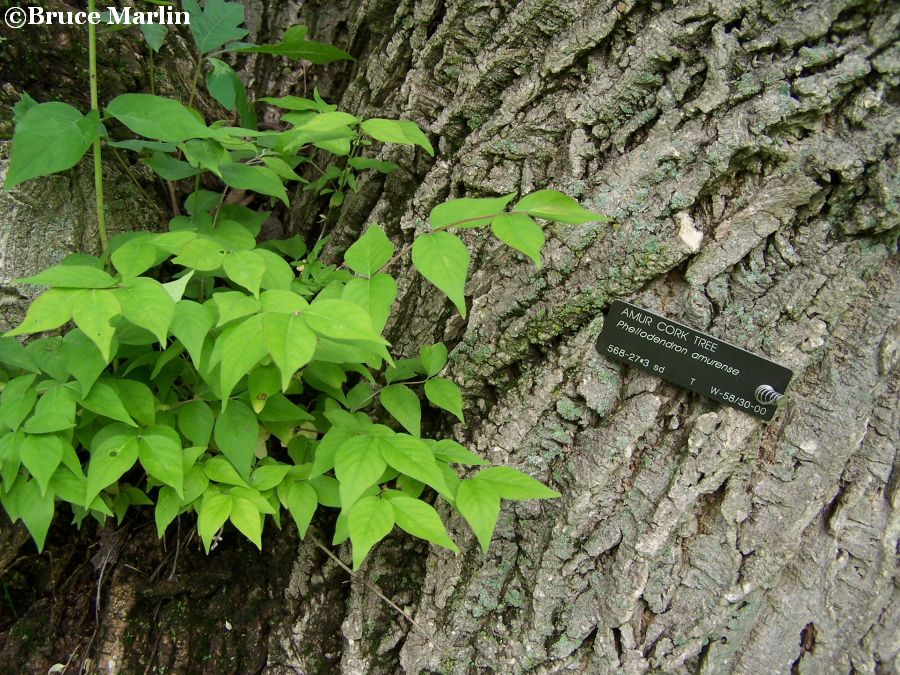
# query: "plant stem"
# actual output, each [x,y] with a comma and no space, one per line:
[196,79]
[371,585]
[152,72]
[98,161]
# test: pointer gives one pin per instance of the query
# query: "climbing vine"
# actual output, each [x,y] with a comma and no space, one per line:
[201,370]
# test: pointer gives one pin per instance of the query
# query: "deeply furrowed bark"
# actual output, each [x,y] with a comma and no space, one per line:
[748,153]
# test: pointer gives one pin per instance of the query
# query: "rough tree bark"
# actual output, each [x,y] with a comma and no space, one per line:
[748,152]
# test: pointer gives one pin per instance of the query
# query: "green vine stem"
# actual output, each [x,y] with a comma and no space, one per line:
[98,165]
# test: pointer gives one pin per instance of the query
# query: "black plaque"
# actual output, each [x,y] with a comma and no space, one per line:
[694,360]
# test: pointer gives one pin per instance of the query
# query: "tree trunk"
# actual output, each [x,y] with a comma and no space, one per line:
[748,154]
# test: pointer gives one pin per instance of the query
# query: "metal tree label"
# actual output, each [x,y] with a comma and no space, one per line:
[694,360]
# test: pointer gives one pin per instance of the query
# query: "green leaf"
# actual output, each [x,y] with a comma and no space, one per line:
[114,450]
[55,411]
[327,448]
[362,163]
[146,303]
[138,399]
[410,486]
[402,402]
[444,260]
[82,358]
[48,353]
[195,421]
[221,83]
[10,461]
[479,504]
[370,252]
[71,276]
[410,456]
[445,394]
[341,320]
[216,24]
[370,521]
[248,520]
[510,483]
[433,358]
[92,311]
[279,274]
[450,451]
[12,353]
[236,434]
[289,341]
[281,301]
[227,88]
[68,486]
[136,256]
[358,465]
[404,369]
[163,119]
[327,490]
[269,476]
[403,132]
[556,206]
[104,400]
[17,400]
[298,103]
[320,125]
[159,449]
[202,254]
[36,509]
[196,482]
[137,145]
[220,470]
[468,211]
[211,516]
[49,138]
[242,347]
[231,305]
[245,268]
[235,237]
[256,179]
[375,295]
[422,521]
[262,382]
[302,502]
[22,106]
[170,168]
[154,35]
[41,455]
[206,154]
[168,504]
[521,233]
[190,324]
[281,168]
[294,45]
[51,309]
[176,288]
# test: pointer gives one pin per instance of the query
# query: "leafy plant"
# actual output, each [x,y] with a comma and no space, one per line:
[199,370]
